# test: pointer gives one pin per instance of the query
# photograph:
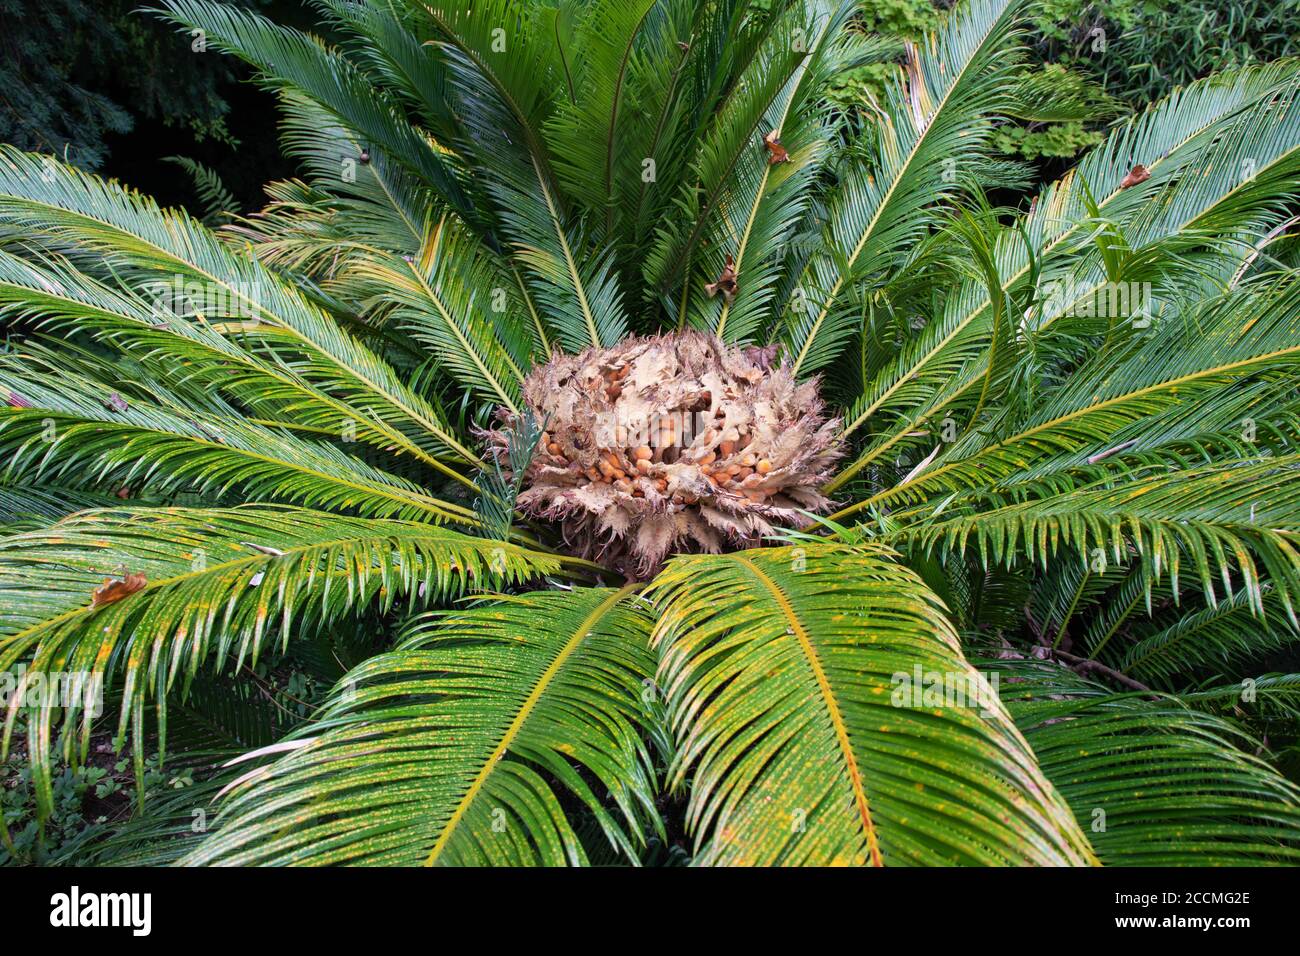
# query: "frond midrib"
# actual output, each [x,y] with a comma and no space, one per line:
[521,717]
[828,700]
[1077,413]
[978,310]
[194,574]
[893,186]
[432,427]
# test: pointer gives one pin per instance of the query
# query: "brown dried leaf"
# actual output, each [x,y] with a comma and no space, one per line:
[776,152]
[726,283]
[1138,174]
[111,591]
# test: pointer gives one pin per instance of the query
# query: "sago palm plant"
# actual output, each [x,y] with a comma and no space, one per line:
[705,473]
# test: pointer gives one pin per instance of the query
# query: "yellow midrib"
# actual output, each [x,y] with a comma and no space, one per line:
[241,561]
[889,193]
[793,82]
[448,438]
[1077,413]
[450,322]
[572,267]
[832,707]
[242,357]
[525,711]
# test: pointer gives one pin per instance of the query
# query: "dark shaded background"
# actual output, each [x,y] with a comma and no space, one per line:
[113,89]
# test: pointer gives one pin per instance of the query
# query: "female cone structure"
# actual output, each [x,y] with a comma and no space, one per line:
[670,444]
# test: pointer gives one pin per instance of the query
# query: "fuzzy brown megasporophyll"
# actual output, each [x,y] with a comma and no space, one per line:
[673,443]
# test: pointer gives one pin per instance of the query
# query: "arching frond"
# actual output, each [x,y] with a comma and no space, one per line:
[768,197]
[385,42]
[177,345]
[451,299]
[218,202]
[503,108]
[725,172]
[1153,782]
[68,427]
[377,203]
[1195,132]
[1188,381]
[197,585]
[789,676]
[290,60]
[132,233]
[937,111]
[435,753]
[1214,523]
[585,135]
[1208,637]
[22,502]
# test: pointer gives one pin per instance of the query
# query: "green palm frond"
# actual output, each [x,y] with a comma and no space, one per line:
[24,502]
[52,295]
[131,233]
[288,60]
[1177,140]
[940,109]
[298,230]
[1211,637]
[504,108]
[1216,524]
[216,583]
[671,75]
[1241,182]
[1153,782]
[1119,604]
[725,170]
[1185,387]
[377,203]
[781,672]
[384,43]
[434,754]
[767,201]
[453,300]
[69,427]
[503,479]
[586,133]
[1270,696]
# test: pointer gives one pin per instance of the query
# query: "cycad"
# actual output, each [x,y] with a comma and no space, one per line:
[220,445]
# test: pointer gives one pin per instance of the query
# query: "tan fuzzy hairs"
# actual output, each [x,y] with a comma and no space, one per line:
[672,444]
